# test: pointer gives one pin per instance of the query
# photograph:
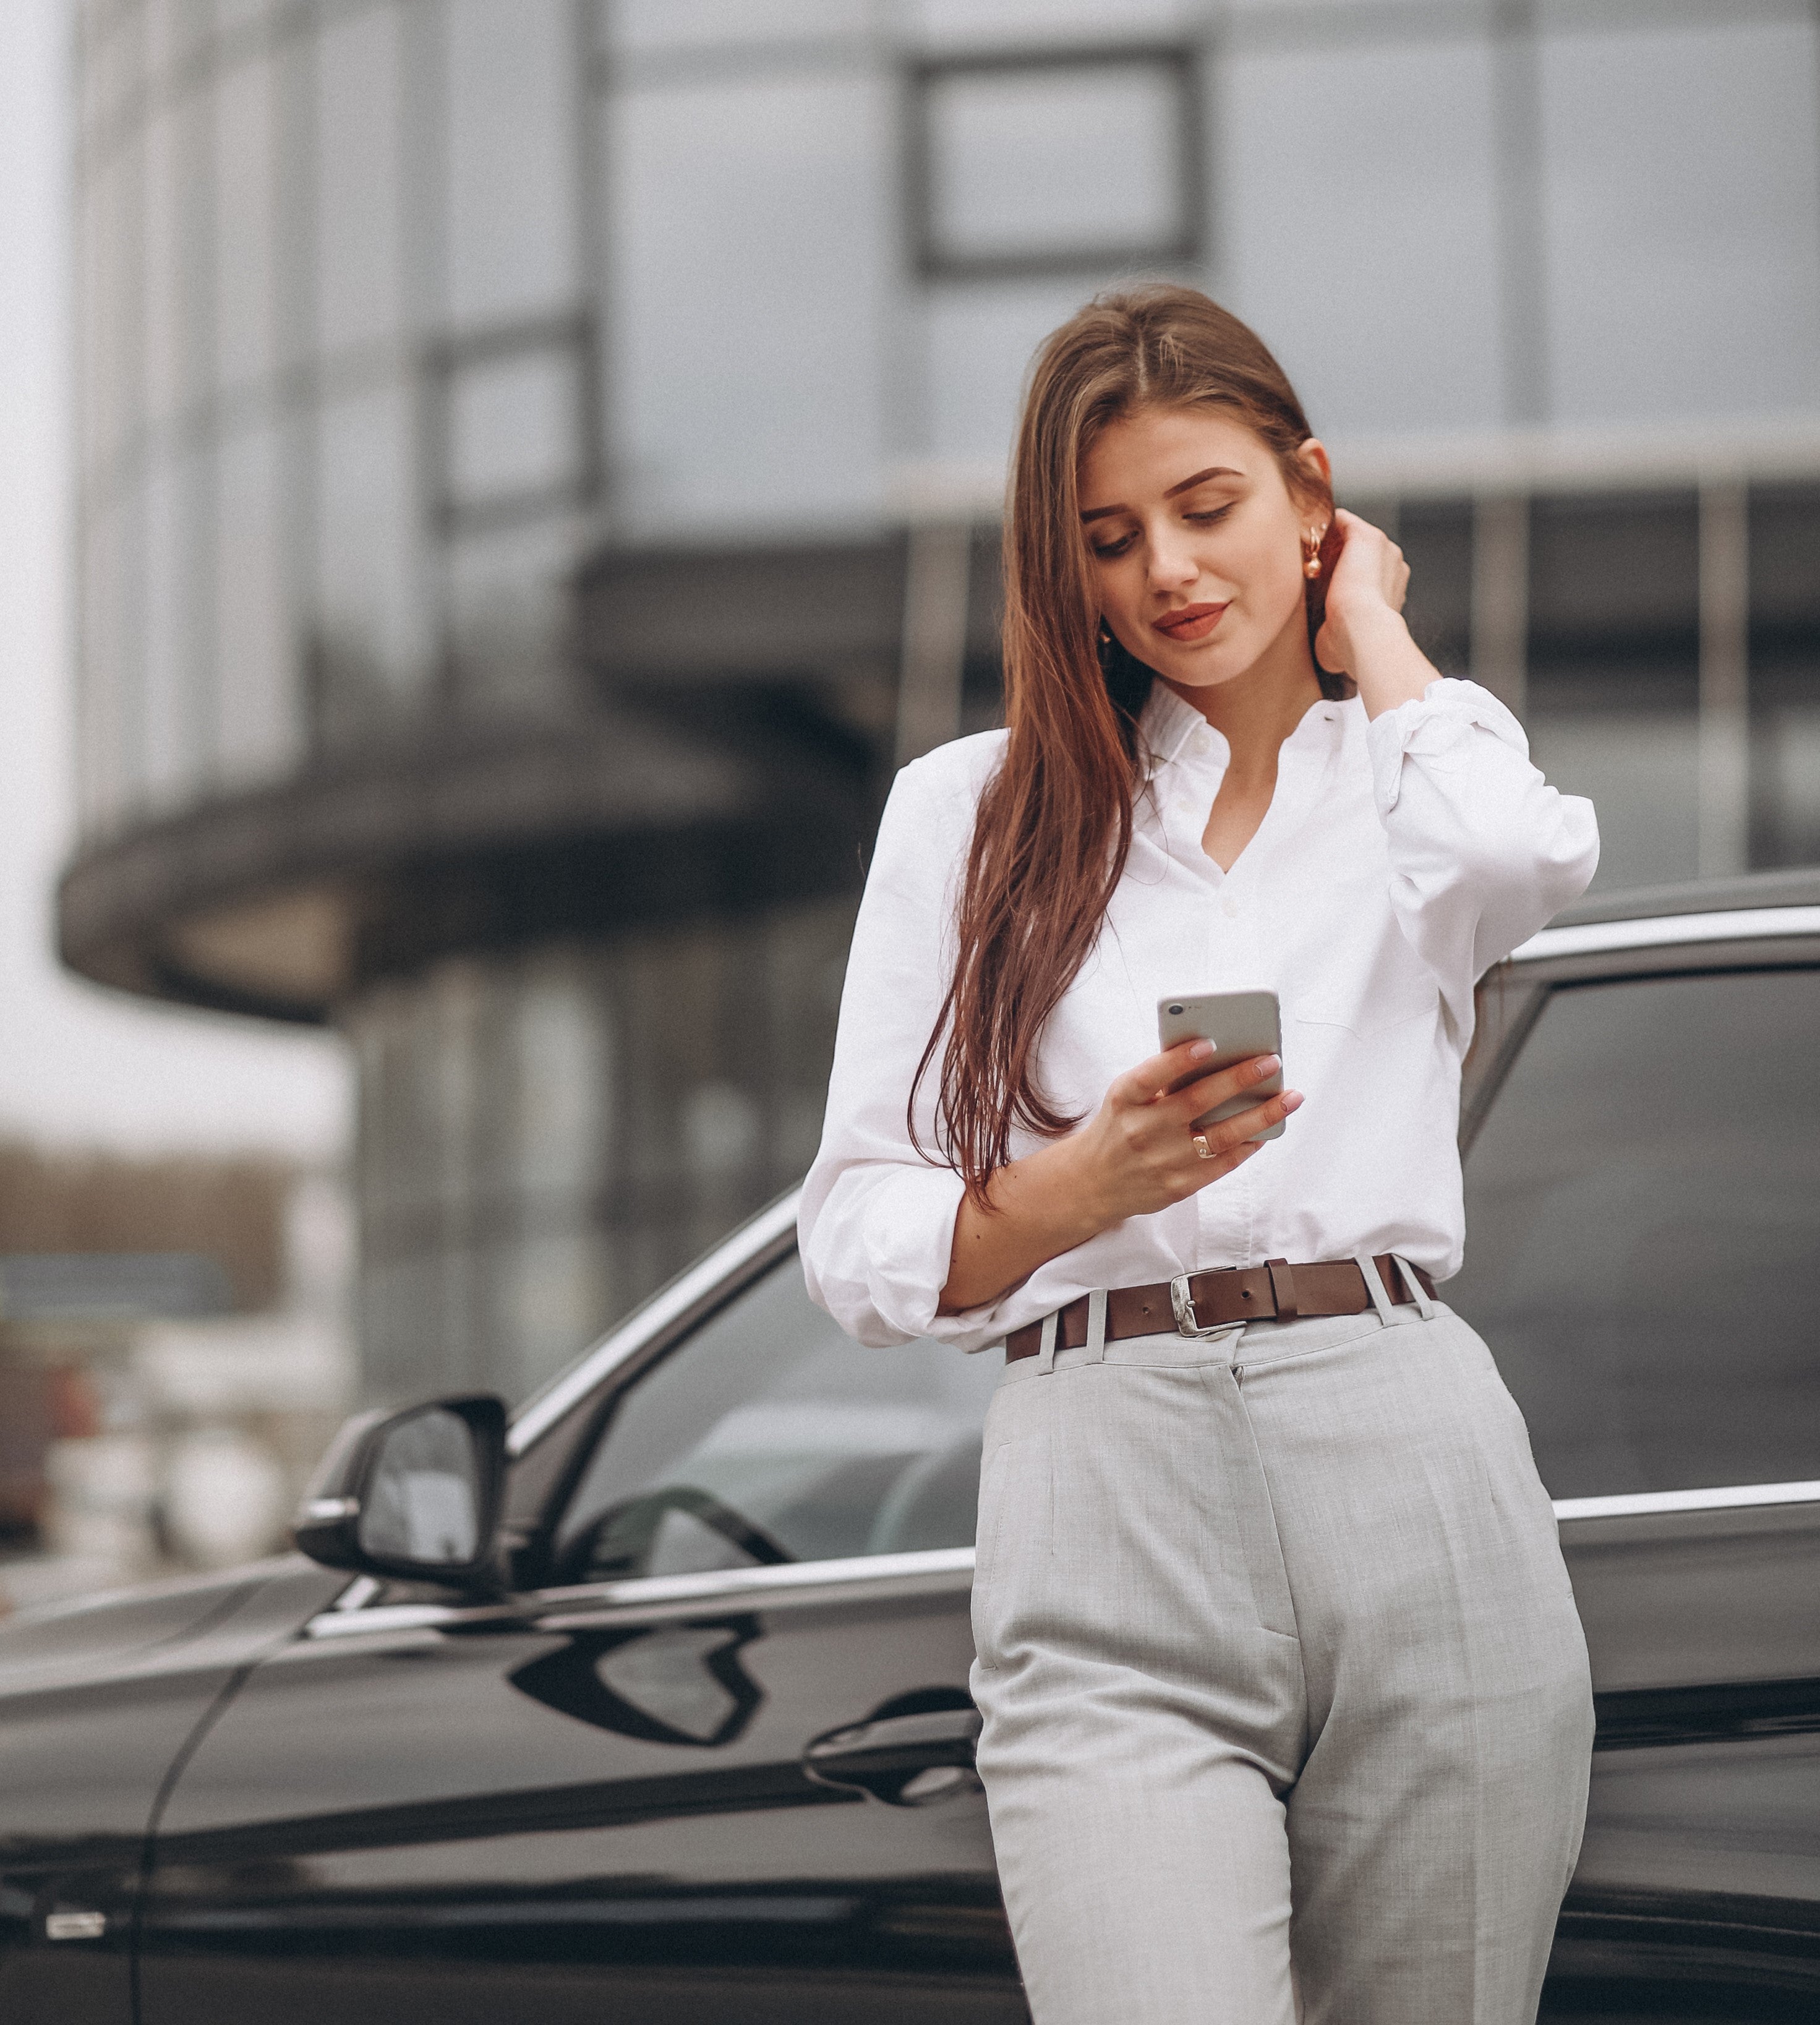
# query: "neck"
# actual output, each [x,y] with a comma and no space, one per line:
[1256,711]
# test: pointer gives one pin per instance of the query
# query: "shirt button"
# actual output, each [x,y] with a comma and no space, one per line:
[1229,907]
[1203,740]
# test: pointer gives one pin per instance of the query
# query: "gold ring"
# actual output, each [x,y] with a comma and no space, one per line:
[1201,1146]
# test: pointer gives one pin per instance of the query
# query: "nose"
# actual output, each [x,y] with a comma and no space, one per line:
[1171,565]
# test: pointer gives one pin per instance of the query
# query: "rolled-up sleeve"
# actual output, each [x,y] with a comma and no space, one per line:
[877,1218]
[1483,850]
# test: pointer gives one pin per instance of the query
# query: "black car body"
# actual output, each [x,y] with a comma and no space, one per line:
[701,1751]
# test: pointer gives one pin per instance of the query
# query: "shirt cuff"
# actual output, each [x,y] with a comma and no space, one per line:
[1438,724]
[909,1235]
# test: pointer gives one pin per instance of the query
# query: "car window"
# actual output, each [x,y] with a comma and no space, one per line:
[767,1435]
[1643,1232]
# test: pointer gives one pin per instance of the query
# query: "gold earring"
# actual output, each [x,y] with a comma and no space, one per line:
[1312,567]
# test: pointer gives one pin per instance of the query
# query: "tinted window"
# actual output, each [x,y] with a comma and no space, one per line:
[1643,1233]
[767,1435]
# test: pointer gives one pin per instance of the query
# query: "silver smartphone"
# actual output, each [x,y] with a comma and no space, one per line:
[1240,1024]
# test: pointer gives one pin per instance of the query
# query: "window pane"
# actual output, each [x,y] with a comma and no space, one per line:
[515,428]
[1054,160]
[980,340]
[256,701]
[686,25]
[111,317]
[513,96]
[1391,209]
[178,346]
[510,611]
[1785,759]
[372,635]
[1614,681]
[232,16]
[1052,20]
[1631,745]
[1643,1233]
[1785,674]
[168,204]
[115,63]
[748,206]
[768,1436]
[176,30]
[359,117]
[176,637]
[245,135]
[111,664]
[1682,195]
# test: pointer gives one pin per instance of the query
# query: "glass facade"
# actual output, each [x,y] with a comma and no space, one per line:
[544,1138]
[312,237]
[454,376]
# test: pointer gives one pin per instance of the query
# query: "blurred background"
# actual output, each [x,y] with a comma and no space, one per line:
[495,487]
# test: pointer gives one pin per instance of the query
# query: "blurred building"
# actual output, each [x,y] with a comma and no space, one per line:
[538,470]
[174,1355]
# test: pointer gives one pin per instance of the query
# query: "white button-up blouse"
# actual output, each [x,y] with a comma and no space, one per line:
[1400,859]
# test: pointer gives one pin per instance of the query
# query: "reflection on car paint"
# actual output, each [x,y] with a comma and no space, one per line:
[672,1684]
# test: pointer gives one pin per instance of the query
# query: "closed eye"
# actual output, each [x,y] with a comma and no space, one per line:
[1209,517]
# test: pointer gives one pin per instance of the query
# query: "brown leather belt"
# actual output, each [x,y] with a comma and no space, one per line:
[1197,1303]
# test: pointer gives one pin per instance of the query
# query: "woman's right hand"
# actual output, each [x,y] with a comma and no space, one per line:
[1135,1155]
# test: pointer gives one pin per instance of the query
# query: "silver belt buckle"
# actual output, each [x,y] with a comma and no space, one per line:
[1187,1322]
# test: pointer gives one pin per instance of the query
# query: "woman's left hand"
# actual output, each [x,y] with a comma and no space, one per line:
[1364,634]
[1367,583]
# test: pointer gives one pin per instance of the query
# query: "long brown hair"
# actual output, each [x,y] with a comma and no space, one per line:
[1054,826]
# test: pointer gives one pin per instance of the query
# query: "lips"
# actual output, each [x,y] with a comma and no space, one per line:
[1191,622]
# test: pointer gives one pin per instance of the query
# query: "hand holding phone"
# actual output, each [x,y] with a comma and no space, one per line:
[1240,1025]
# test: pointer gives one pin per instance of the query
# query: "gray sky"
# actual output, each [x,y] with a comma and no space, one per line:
[77,1065]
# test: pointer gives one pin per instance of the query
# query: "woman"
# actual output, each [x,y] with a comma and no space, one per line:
[1277,1655]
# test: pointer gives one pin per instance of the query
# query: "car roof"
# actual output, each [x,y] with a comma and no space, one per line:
[1797,888]
[1754,907]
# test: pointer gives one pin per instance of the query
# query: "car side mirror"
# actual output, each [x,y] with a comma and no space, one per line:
[412,1494]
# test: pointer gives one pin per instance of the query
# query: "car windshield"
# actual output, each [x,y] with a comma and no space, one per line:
[1643,1232]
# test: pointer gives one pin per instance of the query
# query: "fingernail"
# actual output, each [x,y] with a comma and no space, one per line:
[1292,1100]
[1266,1065]
[1200,1051]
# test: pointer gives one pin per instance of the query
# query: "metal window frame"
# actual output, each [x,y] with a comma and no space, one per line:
[569,338]
[942,1570]
[1180,60]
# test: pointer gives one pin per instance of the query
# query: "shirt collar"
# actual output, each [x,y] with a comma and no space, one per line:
[1166,724]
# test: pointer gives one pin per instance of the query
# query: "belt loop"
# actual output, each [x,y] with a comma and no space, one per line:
[1096,1326]
[1418,1292]
[1375,1287]
[1051,1328]
[1282,1288]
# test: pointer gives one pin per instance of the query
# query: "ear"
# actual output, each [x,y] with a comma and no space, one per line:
[1312,457]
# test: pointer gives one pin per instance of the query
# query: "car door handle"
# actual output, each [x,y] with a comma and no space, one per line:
[906,1761]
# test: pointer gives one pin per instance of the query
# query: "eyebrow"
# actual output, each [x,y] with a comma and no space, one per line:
[1186,485]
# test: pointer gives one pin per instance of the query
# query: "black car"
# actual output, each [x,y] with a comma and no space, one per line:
[686,1735]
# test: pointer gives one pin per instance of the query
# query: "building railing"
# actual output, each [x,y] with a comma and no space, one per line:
[1499,475]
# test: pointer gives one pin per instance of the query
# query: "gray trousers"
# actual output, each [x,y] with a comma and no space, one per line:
[1277,1658]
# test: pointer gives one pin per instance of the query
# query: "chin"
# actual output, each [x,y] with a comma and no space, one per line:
[1226,663]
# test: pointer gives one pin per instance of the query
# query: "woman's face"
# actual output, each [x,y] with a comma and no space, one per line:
[1197,544]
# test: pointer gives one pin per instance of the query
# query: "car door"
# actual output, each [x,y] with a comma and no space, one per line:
[712,1763]
[96,1702]
[1643,1221]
